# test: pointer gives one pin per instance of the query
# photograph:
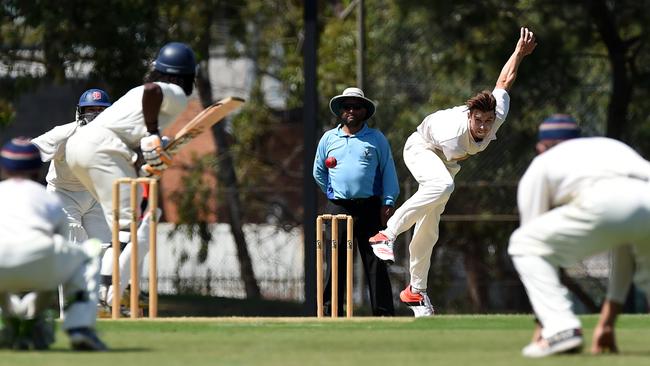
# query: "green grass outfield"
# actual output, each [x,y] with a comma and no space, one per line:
[442,340]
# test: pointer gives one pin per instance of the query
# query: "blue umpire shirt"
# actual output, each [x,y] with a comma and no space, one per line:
[364,168]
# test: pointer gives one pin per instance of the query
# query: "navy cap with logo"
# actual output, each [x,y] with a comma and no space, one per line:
[20,154]
[558,127]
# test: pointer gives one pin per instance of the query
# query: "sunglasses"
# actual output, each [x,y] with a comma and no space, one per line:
[354,106]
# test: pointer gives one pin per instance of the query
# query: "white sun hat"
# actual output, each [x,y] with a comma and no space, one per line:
[356,93]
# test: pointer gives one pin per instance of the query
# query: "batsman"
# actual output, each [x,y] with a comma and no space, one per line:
[107,149]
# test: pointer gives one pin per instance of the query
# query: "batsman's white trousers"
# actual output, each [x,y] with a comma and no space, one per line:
[98,157]
[125,258]
[608,214]
[73,265]
[84,216]
[435,177]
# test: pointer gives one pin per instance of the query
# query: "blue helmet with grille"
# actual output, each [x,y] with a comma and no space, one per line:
[175,58]
[94,98]
[91,98]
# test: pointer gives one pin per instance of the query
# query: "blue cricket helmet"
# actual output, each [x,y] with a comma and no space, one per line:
[175,58]
[94,98]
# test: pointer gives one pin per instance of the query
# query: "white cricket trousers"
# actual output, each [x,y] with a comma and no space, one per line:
[125,258]
[73,265]
[610,213]
[435,177]
[98,157]
[84,216]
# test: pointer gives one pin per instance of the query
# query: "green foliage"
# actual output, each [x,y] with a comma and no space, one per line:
[421,56]
[7,113]
[195,203]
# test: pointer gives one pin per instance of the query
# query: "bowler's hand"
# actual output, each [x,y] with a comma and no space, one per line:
[385,213]
[604,340]
[526,43]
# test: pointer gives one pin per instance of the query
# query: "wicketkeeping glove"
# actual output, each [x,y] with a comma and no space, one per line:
[153,151]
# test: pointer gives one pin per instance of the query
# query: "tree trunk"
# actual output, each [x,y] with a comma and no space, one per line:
[226,170]
[617,50]
[474,269]
[228,180]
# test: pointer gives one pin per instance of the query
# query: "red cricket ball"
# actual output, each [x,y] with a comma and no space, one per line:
[330,162]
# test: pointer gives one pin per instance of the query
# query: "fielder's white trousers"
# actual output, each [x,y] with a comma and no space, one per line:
[75,266]
[435,177]
[608,214]
[84,216]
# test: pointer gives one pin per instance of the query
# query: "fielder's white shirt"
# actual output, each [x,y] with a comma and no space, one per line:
[52,147]
[558,175]
[29,217]
[447,130]
[125,117]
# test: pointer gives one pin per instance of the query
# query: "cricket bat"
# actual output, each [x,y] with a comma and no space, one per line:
[204,120]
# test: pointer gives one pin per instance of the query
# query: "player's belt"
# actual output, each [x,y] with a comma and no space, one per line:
[354,200]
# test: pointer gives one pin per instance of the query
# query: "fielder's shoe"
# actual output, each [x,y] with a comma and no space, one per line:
[567,341]
[25,334]
[43,331]
[105,311]
[9,331]
[85,339]
[143,301]
[419,303]
[382,246]
[143,298]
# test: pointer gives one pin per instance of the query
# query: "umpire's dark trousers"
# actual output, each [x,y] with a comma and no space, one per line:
[367,222]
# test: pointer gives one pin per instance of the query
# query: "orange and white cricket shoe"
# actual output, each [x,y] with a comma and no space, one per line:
[382,246]
[418,302]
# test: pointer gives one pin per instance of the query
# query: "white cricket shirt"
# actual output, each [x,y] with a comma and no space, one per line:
[29,217]
[447,130]
[125,117]
[52,147]
[558,175]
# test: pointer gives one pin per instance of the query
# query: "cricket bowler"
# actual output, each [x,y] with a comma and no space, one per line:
[433,154]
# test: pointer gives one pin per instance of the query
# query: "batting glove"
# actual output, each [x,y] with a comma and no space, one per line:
[153,151]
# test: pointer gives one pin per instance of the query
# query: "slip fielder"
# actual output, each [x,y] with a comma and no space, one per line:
[578,197]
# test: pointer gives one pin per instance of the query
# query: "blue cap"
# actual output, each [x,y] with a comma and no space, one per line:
[558,127]
[20,154]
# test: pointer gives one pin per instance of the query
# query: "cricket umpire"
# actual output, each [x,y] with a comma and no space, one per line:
[354,167]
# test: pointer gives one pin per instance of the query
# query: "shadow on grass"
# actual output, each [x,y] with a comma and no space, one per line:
[108,352]
[210,306]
